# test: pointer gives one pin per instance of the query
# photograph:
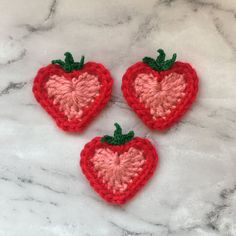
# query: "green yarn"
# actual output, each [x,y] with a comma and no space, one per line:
[118,137]
[69,64]
[160,63]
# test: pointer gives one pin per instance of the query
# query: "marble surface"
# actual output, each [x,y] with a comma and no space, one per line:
[193,191]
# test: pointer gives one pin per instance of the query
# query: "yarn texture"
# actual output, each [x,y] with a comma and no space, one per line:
[118,171]
[160,98]
[73,97]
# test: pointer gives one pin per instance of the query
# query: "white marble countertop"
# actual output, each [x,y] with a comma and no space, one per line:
[193,191]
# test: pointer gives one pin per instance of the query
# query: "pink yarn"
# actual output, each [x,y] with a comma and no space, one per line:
[73,95]
[115,170]
[161,97]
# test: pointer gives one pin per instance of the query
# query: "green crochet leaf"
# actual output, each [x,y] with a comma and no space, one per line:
[160,63]
[118,137]
[69,64]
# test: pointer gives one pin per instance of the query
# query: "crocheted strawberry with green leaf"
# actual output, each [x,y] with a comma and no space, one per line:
[118,166]
[160,91]
[72,93]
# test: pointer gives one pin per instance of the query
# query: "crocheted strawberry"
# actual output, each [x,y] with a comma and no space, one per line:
[160,91]
[73,93]
[117,167]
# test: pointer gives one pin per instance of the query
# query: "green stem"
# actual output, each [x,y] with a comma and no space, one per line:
[160,63]
[118,137]
[69,64]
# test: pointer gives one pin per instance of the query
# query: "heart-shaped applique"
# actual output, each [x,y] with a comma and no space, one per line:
[73,93]
[117,167]
[161,97]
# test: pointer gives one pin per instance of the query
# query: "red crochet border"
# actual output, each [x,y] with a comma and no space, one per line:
[143,112]
[138,182]
[62,121]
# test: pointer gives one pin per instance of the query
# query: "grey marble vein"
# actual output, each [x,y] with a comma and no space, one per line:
[32,182]
[125,232]
[217,5]
[47,23]
[11,87]
[220,30]
[18,58]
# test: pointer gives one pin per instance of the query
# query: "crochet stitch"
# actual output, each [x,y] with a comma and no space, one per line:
[158,95]
[73,93]
[118,171]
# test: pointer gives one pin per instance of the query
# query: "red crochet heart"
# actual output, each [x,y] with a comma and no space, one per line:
[160,98]
[117,172]
[73,98]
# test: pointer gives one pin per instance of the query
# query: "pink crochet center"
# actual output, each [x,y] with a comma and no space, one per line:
[72,96]
[161,97]
[117,171]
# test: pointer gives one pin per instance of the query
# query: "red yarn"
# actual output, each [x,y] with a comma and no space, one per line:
[62,121]
[143,111]
[96,180]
